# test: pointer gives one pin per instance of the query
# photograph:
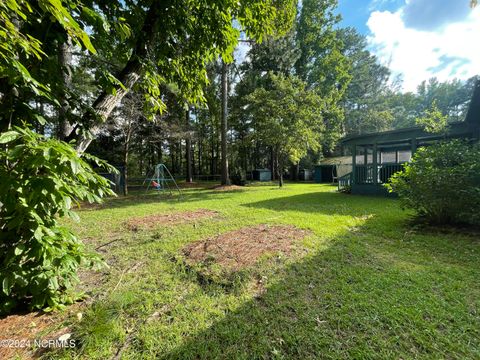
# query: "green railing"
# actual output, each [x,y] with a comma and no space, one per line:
[385,172]
[364,174]
[345,182]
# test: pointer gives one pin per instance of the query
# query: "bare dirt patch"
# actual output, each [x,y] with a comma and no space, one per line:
[228,188]
[174,218]
[241,248]
[19,331]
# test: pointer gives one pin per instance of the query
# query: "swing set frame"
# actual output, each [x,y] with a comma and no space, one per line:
[160,180]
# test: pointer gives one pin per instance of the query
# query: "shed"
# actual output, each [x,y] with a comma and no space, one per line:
[262,175]
[305,175]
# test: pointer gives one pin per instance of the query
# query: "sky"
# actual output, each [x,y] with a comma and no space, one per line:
[419,39]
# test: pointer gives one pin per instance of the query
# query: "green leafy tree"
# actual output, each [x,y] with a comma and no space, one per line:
[175,43]
[450,97]
[44,54]
[404,107]
[41,180]
[276,55]
[287,118]
[433,121]
[441,183]
[365,101]
[157,43]
[322,63]
[29,32]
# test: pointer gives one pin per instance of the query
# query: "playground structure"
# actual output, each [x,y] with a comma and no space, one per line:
[161,180]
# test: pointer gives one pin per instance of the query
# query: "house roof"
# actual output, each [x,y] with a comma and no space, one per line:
[336,160]
[471,126]
[473,114]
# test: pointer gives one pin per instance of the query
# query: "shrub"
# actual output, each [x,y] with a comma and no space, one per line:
[40,179]
[442,183]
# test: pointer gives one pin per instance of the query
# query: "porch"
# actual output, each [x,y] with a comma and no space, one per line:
[376,157]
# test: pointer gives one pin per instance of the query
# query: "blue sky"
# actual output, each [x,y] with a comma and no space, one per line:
[418,39]
[355,13]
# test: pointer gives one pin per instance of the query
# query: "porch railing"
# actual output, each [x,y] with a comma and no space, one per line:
[364,174]
[345,182]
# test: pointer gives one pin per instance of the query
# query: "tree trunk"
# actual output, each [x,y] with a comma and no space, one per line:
[64,60]
[188,150]
[200,163]
[106,102]
[224,127]
[279,170]
[256,156]
[295,170]
[172,156]
[273,168]
[125,163]
[141,161]
[179,157]
[193,167]
[212,156]
[159,153]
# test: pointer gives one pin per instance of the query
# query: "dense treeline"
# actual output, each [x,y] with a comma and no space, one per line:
[363,97]
[73,90]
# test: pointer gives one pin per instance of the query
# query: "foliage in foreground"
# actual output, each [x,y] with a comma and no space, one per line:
[40,179]
[442,183]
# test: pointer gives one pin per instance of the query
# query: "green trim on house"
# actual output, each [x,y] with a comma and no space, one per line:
[369,176]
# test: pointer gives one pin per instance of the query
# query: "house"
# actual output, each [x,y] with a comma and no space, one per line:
[376,157]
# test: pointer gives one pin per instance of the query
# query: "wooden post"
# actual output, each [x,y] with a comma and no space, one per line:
[375,164]
[414,145]
[396,157]
[354,163]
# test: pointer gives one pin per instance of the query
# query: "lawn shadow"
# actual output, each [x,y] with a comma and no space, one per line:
[139,198]
[323,203]
[347,302]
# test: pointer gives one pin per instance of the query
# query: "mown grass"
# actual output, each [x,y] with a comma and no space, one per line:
[366,284]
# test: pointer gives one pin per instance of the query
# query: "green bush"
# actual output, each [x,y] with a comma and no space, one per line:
[442,183]
[40,180]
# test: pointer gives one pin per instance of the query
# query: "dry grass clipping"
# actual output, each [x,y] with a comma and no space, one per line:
[241,248]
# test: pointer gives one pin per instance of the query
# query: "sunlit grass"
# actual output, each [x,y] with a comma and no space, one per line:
[365,284]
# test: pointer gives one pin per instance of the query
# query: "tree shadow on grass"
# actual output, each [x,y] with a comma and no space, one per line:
[348,301]
[326,203]
[139,198]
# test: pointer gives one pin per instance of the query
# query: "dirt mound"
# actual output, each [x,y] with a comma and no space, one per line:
[228,187]
[240,248]
[150,221]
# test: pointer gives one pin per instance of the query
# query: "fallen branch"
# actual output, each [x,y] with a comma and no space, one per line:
[106,244]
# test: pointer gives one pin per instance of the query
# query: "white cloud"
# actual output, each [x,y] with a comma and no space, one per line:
[447,52]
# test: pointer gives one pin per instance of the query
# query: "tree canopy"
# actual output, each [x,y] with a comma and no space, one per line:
[287,117]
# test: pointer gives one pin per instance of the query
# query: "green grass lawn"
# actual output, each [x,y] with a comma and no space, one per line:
[365,284]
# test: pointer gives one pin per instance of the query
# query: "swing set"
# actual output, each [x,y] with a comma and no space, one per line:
[161,180]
